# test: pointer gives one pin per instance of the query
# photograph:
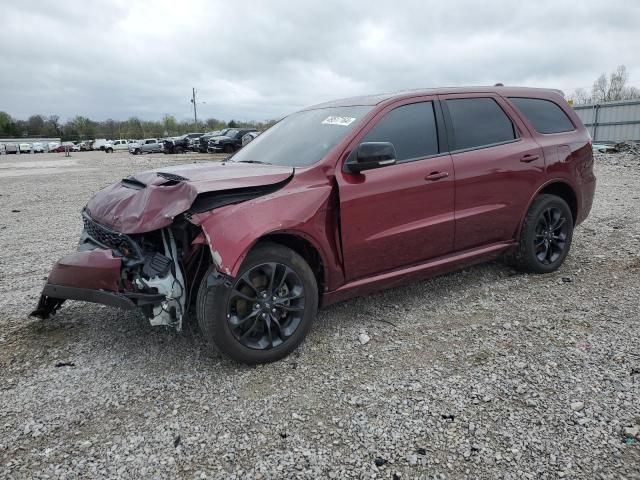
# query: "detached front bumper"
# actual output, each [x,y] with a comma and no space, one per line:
[89,276]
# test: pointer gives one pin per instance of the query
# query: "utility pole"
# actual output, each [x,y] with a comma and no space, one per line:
[195,111]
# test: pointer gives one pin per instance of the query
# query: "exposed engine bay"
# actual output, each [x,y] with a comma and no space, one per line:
[161,272]
[152,272]
[144,245]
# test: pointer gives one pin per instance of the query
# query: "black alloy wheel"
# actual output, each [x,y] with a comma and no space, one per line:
[545,236]
[266,306]
[551,235]
[267,309]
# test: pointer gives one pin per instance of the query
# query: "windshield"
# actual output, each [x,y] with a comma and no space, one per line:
[230,133]
[303,138]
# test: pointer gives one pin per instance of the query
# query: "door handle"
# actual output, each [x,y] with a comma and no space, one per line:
[529,158]
[436,176]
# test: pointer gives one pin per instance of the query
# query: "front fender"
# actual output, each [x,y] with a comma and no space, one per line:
[307,212]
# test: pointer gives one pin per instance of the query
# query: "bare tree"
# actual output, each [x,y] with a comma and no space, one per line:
[614,87]
[579,96]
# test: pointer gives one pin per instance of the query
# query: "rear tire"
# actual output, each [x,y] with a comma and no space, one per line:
[178,150]
[545,238]
[109,150]
[260,329]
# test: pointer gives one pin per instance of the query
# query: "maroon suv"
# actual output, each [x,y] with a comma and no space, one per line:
[335,201]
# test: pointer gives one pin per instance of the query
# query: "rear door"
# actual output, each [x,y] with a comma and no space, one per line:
[498,166]
[400,214]
[150,145]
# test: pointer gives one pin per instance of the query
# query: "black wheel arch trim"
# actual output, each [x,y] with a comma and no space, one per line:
[540,190]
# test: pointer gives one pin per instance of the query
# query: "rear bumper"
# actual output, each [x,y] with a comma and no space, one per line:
[89,276]
[588,191]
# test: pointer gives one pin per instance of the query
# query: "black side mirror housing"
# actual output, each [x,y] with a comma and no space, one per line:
[371,155]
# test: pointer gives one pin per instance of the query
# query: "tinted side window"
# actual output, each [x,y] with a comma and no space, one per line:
[544,115]
[479,122]
[411,129]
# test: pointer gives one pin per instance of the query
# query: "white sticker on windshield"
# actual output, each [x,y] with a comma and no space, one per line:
[344,121]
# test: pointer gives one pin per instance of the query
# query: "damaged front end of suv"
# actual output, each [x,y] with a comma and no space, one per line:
[143,247]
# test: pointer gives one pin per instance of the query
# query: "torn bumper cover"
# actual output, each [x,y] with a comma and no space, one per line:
[89,276]
[139,247]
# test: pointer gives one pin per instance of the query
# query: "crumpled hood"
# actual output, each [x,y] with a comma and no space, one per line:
[150,200]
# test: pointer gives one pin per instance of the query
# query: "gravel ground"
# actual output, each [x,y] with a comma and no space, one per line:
[484,373]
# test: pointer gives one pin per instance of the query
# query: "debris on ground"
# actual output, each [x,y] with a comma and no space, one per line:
[628,146]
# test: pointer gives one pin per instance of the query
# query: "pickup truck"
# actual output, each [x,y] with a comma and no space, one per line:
[203,141]
[116,145]
[148,145]
[229,142]
[180,144]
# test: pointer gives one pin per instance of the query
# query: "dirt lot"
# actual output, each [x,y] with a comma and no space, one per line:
[485,373]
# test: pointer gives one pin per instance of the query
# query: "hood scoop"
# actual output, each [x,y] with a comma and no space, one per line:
[172,177]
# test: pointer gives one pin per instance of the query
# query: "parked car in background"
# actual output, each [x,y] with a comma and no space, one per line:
[378,191]
[248,137]
[37,147]
[203,143]
[148,145]
[229,142]
[99,144]
[25,148]
[75,147]
[51,146]
[65,146]
[116,145]
[60,148]
[85,145]
[11,148]
[180,144]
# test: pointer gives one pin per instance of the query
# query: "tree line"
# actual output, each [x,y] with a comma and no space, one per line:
[83,128]
[607,89]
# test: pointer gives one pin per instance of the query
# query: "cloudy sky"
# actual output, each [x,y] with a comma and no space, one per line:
[263,59]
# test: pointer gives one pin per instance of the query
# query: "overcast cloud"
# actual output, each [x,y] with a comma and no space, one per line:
[260,60]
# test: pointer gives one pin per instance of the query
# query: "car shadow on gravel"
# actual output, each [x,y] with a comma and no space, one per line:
[399,305]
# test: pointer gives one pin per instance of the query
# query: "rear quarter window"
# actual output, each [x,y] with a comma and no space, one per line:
[544,115]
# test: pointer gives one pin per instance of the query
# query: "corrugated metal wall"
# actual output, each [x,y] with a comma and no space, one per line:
[612,121]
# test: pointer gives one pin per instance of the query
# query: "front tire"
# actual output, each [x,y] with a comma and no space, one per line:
[267,311]
[545,238]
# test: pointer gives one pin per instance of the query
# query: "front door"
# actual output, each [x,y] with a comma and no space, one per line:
[400,214]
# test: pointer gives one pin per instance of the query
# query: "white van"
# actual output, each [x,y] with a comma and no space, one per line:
[100,144]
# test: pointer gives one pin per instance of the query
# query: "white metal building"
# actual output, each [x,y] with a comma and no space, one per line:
[611,122]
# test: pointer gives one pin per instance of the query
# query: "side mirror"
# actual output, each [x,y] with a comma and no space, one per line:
[371,155]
